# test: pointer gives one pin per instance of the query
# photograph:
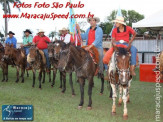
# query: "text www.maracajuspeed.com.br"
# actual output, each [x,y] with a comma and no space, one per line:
[46,16]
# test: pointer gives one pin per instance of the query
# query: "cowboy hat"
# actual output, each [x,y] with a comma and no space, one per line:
[41,30]
[27,30]
[63,29]
[10,32]
[96,18]
[120,20]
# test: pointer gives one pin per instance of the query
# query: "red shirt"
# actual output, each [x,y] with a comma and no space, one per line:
[122,35]
[40,41]
[73,40]
[91,36]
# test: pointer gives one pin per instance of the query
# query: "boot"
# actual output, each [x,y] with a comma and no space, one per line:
[132,70]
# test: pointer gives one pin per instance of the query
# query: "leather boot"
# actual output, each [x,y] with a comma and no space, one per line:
[132,70]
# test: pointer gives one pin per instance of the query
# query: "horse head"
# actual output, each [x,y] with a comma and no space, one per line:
[122,63]
[33,53]
[9,51]
[51,50]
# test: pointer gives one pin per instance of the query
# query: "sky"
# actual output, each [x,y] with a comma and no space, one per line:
[100,8]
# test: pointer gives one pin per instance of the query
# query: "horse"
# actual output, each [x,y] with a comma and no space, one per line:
[17,57]
[54,50]
[85,68]
[37,60]
[119,75]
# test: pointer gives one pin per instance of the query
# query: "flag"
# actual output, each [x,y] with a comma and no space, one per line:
[119,13]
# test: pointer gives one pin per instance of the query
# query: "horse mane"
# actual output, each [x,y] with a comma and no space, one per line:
[122,51]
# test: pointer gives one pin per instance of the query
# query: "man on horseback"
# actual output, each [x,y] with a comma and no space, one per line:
[121,35]
[41,41]
[93,37]
[27,41]
[11,39]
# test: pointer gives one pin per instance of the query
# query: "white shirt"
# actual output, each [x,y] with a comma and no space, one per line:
[67,38]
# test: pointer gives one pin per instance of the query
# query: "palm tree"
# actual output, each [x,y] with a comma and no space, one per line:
[7,10]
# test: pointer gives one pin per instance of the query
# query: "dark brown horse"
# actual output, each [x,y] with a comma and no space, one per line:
[37,61]
[17,56]
[85,68]
[119,75]
[54,50]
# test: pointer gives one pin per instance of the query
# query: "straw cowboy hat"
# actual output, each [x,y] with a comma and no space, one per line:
[41,30]
[27,30]
[96,18]
[10,32]
[63,29]
[119,19]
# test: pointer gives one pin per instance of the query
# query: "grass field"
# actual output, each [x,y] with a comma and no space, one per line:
[50,105]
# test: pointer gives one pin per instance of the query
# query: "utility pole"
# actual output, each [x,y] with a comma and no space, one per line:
[6,23]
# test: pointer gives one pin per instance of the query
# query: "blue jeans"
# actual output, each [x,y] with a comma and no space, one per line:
[100,51]
[133,53]
[26,53]
[47,57]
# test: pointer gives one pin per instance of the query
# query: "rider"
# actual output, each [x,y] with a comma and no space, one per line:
[41,41]
[11,39]
[122,32]
[93,37]
[27,41]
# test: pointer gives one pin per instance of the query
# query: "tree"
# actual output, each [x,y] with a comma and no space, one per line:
[130,16]
[7,10]
[53,34]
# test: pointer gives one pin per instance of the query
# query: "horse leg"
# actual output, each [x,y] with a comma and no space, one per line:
[54,75]
[22,73]
[128,91]
[64,82]
[81,82]
[3,71]
[6,72]
[114,99]
[17,73]
[120,95]
[125,115]
[60,80]
[102,84]
[50,76]
[90,85]
[40,77]
[27,73]
[43,81]
[34,77]
[111,93]
[71,84]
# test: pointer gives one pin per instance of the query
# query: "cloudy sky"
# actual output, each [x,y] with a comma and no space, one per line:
[100,8]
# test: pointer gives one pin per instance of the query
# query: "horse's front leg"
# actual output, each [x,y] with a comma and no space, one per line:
[125,115]
[6,72]
[128,91]
[54,75]
[22,73]
[61,77]
[64,82]
[34,77]
[17,74]
[81,82]
[49,76]
[40,77]
[43,81]
[120,95]
[114,98]
[102,84]
[3,71]
[27,73]
[90,85]
[71,84]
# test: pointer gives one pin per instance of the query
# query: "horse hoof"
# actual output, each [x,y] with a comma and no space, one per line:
[89,108]
[51,86]
[119,104]
[80,107]
[125,117]
[128,101]
[113,113]
[101,93]
[73,95]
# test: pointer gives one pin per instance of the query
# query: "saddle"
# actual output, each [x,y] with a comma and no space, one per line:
[94,54]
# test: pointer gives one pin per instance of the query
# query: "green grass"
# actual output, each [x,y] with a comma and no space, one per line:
[50,105]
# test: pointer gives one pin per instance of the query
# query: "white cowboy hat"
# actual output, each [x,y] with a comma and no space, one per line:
[41,30]
[96,18]
[63,29]
[119,19]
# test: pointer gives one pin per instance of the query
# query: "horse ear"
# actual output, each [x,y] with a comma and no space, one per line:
[115,48]
[11,45]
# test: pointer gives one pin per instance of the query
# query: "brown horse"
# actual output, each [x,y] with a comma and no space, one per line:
[37,61]
[18,59]
[85,68]
[119,75]
[54,50]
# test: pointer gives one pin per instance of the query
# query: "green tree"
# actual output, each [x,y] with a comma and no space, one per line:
[7,10]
